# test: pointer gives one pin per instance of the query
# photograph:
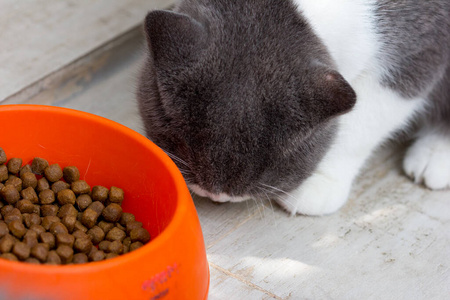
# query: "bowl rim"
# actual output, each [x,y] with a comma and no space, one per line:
[183,195]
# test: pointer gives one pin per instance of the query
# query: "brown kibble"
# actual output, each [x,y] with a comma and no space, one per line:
[30,238]
[38,228]
[37,209]
[29,194]
[6,209]
[83,244]
[58,227]
[96,234]
[66,197]
[100,193]
[48,221]
[21,250]
[104,245]
[53,258]
[28,180]
[67,210]
[47,238]
[32,260]
[126,218]
[6,243]
[17,228]
[65,239]
[9,256]
[49,210]
[38,165]
[3,157]
[80,258]
[140,235]
[59,186]
[115,234]
[15,181]
[133,225]
[13,215]
[79,227]
[71,174]
[112,212]
[25,169]
[46,197]
[135,245]
[105,226]
[80,234]
[3,229]
[31,219]
[25,206]
[80,187]
[116,247]
[53,173]
[10,194]
[98,207]
[69,221]
[111,255]
[116,195]
[42,185]
[14,165]
[3,172]
[121,227]
[83,201]
[89,218]
[97,255]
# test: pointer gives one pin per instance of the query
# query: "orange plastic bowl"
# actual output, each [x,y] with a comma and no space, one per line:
[172,265]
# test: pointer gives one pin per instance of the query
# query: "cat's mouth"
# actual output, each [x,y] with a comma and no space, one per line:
[222,197]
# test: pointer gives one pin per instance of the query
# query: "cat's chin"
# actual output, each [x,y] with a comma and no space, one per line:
[222,197]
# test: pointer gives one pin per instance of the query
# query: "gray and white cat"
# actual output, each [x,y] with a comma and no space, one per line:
[289,98]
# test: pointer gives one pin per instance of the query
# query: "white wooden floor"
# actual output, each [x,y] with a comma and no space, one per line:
[390,241]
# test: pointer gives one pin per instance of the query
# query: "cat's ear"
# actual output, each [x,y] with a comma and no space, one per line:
[333,96]
[173,38]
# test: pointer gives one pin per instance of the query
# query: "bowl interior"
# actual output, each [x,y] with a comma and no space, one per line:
[105,152]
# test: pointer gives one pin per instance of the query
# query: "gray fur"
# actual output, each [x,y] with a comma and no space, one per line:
[245,94]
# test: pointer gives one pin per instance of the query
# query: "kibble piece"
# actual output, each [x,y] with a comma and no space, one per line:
[79,227]
[133,225]
[3,172]
[14,181]
[3,229]
[10,194]
[9,256]
[53,173]
[116,247]
[96,234]
[97,255]
[126,218]
[71,174]
[13,215]
[17,228]
[104,245]
[115,195]
[6,209]
[115,234]
[89,218]
[42,185]
[67,210]
[112,212]
[37,209]
[80,234]
[69,221]
[25,169]
[59,186]
[6,243]
[111,255]
[46,197]
[32,260]
[135,245]
[14,165]
[98,207]
[49,210]
[47,238]
[100,193]
[30,238]
[48,221]
[25,206]
[29,194]
[120,227]
[105,226]
[21,250]
[53,258]
[139,235]
[80,187]
[80,258]
[66,197]
[38,228]
[3,157]
[28,180]
[38,165]
[31,219]
[83,244]
[83,201]
[65,239]
[58,227]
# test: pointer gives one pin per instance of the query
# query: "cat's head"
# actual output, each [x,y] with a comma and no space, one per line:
[244,96]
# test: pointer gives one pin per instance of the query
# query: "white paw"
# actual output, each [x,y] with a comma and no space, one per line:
[428,161]
[318,195]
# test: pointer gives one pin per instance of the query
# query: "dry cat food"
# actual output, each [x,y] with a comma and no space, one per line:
[48,215]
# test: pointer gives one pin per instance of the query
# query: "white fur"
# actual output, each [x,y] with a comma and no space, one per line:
[222,197]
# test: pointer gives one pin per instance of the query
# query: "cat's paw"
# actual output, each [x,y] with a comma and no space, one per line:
[318,195]
[428,161]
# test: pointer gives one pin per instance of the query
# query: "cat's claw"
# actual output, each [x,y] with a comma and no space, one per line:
[428,161]
[318,195]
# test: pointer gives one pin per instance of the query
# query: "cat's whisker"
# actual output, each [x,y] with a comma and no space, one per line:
[290,200]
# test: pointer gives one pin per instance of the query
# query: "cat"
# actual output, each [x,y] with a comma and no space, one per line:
[287,99]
